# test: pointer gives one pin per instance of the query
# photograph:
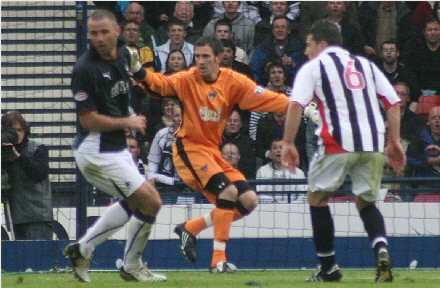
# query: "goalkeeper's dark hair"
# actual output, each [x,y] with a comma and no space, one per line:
[324,30]
[212,42]
[100,14]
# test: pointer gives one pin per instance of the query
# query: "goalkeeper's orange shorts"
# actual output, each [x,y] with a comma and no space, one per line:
[196,164]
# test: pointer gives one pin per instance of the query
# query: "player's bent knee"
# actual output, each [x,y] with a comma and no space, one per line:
[230,193]
[243,210]
[247,197]
[248,200]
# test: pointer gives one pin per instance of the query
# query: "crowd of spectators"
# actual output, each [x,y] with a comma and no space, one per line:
[265,41]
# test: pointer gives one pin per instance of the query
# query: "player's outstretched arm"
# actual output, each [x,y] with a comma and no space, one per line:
[93,121]
[157,82]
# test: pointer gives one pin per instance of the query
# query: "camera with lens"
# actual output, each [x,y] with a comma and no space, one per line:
[9,135]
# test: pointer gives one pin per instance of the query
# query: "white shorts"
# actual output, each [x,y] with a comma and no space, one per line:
[114,173]
[328,172]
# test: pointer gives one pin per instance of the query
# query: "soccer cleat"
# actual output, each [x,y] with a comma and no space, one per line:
[141,274]
[223,267]
[80,264]
[189,243]
[332,275]
[383,272]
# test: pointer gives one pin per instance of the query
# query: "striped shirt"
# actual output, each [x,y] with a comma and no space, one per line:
[347,89]
[158,165]
[257,116]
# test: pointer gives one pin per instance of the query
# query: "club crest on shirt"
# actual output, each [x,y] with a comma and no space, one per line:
[204,168]
[120,87]
[212,95]
[259,90]
[80,96]
[107,75]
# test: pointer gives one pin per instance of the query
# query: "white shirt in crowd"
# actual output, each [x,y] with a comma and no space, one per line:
[163,50]
[269,172]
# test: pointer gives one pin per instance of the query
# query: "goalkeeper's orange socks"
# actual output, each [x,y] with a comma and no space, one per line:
[197,225]
[218,255]
[223,216]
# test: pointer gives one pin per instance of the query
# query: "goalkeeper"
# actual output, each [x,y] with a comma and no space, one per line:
[208,95]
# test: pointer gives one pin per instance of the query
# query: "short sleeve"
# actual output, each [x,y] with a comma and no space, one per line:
[82,91]
[304,86]
[384,89]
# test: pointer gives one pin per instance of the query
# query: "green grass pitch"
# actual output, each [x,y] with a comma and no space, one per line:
[261,278]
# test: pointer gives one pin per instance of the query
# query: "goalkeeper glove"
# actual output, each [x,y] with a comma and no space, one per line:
[312,113]
[135,63]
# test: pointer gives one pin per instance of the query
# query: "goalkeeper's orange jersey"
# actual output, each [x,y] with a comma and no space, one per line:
[206,106]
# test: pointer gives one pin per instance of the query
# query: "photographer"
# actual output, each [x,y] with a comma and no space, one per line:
[25,164]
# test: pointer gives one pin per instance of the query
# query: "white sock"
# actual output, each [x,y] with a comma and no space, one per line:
[137,239]
[111,221]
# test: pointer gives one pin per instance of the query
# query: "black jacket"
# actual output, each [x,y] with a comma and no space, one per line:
[403,74]
[269,129]
[31,194]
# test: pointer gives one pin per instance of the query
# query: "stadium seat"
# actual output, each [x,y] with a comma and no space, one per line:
[339,199]
[392,198]
[427,198]
[426,103]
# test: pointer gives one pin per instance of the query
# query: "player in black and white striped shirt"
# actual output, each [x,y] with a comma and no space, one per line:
[351,135]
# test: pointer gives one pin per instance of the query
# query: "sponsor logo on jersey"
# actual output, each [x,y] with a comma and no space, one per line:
[80,96]
[107,75]
[207,114]
[259,90]
[212,95]
[120,87]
